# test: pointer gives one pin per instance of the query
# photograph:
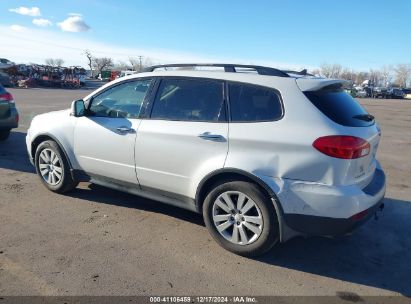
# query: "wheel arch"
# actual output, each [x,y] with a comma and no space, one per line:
[44,137]
[228,174]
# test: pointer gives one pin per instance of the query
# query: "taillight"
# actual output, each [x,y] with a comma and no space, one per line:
[6,97]
[341,146]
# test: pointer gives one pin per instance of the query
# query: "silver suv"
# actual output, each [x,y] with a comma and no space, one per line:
[262,154]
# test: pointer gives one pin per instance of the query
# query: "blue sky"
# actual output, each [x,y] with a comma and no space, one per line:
[360,34]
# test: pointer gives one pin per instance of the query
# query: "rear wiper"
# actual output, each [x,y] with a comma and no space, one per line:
[365,117]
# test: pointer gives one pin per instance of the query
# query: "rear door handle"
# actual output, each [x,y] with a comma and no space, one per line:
[125,130]
[213,137]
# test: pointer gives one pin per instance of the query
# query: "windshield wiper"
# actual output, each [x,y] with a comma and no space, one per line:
[365,117]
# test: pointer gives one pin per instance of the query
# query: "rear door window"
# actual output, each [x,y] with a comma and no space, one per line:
[251,103]
[340,107]
[189,100]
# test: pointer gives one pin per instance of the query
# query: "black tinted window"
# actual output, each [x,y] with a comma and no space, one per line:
[189,100]
[340,107]
[253,103]
[2,90]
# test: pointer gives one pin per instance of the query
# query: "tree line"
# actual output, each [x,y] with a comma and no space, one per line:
[388,75]
[99,64]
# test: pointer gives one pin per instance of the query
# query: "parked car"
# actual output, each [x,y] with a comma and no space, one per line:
[407,93]
[5,63]
[5,80]
[395,93]
[9,117]
[361,94]
[232,146]
[379,92]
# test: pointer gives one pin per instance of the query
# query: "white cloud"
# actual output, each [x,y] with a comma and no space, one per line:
[18,28]
[23,10]
[42,22]
[35,45]
[74,23]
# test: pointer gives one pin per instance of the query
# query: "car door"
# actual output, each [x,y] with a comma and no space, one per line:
[185,137]
[104,138]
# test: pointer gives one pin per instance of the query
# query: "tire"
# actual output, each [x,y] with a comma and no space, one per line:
[4,134]
[58,179]
[257,242]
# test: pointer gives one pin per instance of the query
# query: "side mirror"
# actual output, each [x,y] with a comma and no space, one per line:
[78,108]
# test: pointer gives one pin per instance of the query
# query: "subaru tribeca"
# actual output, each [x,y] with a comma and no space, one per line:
[263,154]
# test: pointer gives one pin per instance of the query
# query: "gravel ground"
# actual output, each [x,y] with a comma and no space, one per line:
[96,241]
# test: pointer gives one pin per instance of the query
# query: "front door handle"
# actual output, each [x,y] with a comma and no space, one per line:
[210,136]
[125,130]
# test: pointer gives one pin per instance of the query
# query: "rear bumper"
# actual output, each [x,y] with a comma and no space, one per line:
[11,121]
[319,225]
[310,209]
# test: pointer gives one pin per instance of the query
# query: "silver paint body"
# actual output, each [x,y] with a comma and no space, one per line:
[170,155]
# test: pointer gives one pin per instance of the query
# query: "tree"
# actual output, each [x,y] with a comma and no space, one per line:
[386,74]
[135,63]
[315,72]
[331,70]
[54,62]
[375,77]
[122,66]
[140,63]
[402,74]
[349,75]
[102,63]
[361,77]
[90,60]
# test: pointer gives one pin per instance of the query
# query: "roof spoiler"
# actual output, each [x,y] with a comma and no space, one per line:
[302,72]
[307,84]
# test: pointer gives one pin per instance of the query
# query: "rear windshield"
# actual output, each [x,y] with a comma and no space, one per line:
[340,107]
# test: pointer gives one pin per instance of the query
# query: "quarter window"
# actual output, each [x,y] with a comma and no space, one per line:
[189,100]
[250,103]
[121,101]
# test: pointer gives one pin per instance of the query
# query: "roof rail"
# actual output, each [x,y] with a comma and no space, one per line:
[261,70]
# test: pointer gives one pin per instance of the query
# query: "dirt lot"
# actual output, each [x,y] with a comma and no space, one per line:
[96,241]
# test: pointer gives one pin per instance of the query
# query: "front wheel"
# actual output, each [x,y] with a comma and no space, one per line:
[241,218]
[53,168]
[4,134]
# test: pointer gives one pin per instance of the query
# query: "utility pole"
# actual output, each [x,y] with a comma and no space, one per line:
[141,65]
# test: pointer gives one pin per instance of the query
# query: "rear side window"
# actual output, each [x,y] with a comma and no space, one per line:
[340,107]
[249,103]
[189,100]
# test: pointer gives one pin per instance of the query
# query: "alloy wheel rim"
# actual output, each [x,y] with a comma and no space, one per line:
[50,167]
[237,218]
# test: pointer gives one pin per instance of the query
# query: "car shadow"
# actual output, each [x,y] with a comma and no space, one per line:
[378,254]
[96,193]
[13,153]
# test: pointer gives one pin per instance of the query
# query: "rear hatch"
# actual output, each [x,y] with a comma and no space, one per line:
[4,103]
[354,123]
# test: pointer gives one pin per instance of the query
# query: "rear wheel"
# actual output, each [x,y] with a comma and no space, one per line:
[53,168]
[4,134]
[241,218]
